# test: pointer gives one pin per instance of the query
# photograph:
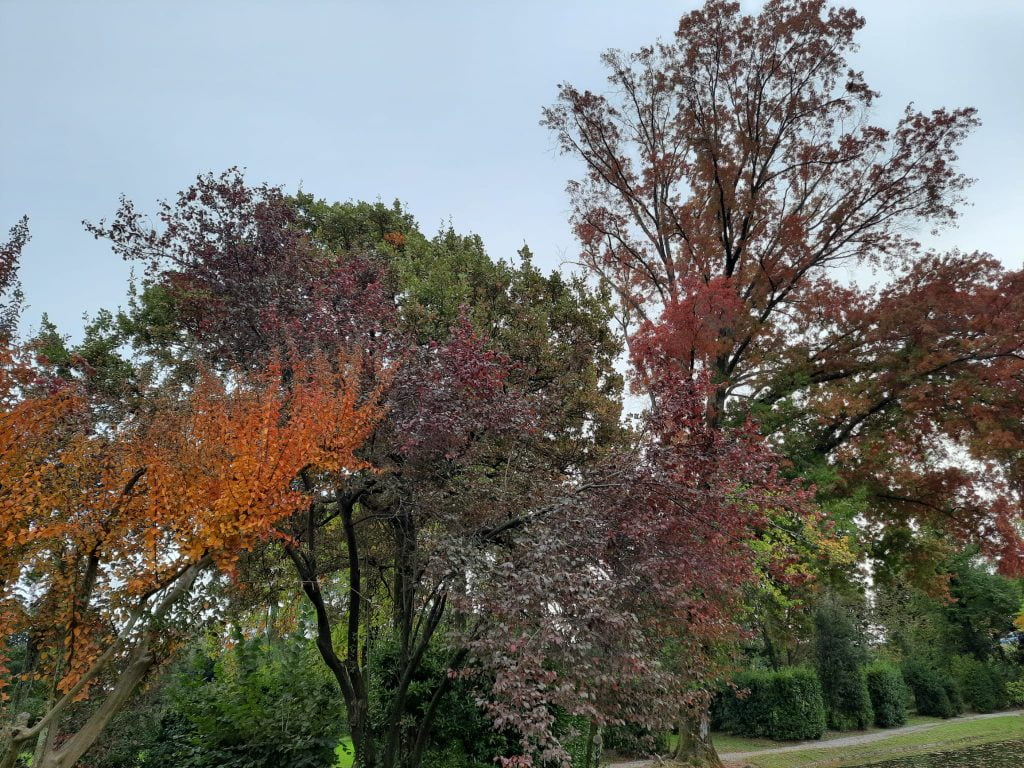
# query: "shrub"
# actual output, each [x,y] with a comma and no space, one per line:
[931,692]
[462,735]
[982,686]
[1015,692]
[956,699]
[783,705]
[839,657]
[888,694]
[257,705]
[634,740]
[579,739]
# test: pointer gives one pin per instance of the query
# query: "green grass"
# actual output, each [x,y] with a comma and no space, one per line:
[344,753]
[950,735]
[725,742]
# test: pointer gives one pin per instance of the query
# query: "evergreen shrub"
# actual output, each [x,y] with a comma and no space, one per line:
[783,705]
[888,694]
[931,691]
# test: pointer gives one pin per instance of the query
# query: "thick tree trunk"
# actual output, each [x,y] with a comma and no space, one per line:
[695,747]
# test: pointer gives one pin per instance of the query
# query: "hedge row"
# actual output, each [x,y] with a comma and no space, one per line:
[784,705]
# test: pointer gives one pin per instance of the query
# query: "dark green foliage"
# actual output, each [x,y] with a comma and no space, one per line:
[954,694]
[931,691]
[461,736]
[983,606]
[258,705]
[783,705]
[839,658]
[981,684]
[634,740]
[579,738]
[888,694]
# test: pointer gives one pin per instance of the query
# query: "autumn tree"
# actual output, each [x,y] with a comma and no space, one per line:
[494,531]
[730,175]
[107,527]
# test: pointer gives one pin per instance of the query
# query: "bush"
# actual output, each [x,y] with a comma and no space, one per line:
[462,735]
[1015,692]
[955,695]
[783,705]
[839,657]
[982,686]
[888,694]
[931,692]
[634,740]
[257,705]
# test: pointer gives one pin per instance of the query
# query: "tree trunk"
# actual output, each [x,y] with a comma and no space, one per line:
[72,750]
[695,747]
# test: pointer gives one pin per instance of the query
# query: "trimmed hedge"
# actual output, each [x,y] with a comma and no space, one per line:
[931,690]
[784,705]
[888,694]
[983,687]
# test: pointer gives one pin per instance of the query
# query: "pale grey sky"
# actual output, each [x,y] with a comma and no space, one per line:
[436,103]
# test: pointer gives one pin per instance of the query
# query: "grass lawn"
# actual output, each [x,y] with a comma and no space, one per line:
[344,753]
[950,735]
[725,742]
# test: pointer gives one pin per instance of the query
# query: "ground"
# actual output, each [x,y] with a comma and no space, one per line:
[902,746]
[973,741]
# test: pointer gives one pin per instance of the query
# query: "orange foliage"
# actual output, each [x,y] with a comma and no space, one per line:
[97,517]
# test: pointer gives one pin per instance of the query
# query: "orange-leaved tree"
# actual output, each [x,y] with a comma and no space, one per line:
[107,528]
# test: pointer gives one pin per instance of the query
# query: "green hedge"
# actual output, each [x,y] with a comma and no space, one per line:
[578,737]
[784,705]
[888,694]
[634,740]
[840,655]
[934,694]
[982,686]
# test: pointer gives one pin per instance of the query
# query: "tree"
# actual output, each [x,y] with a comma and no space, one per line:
[10,289]
[728,176]
[508,527]
[840,662]
[107,527]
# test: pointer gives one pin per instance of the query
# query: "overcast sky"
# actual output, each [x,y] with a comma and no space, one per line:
[436,103]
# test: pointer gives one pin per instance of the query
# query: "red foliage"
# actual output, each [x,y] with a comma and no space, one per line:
[729,178]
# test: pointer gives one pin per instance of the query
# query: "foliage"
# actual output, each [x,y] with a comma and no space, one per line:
[930,689]
[11,297]
[255,704]
[579,733]
[888,694]
[731,174]
[782,705]
[840,656]
[108,525]
[461,735]
[497,458]
[981,686]
[634,740]
[1015,692]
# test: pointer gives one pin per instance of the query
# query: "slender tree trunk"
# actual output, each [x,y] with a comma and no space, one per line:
[72,750]
[141,661]
[695,747]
